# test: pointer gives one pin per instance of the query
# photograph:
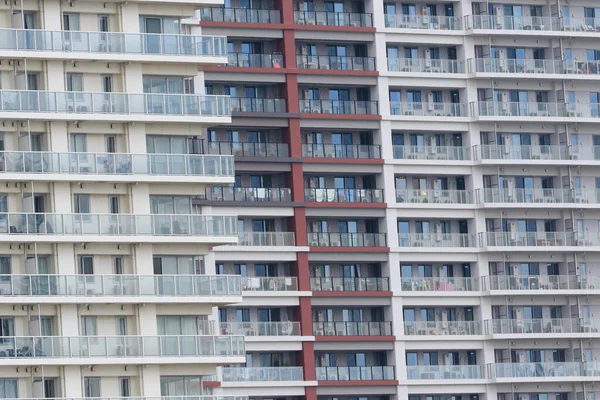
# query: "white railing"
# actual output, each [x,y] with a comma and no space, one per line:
[517,109]
[428,22]
[543,369]
[349,284]
[262,374]
[370,373]
[432,153]
[284,328]
[436,240]
[524,152]
[267,239]
[438,328]
[521,23]
[426,109]
[346,239]
[537,196]
[419,65]
[434,196]
[536,326]
[352,328]
[444,372]
[343,195]
[269,283]
[439,284]
[531,239]
[540,282]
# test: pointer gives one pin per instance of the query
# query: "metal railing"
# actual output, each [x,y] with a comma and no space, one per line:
[114,103]
[536,326]
[344,239]
[112,42]
[333,18]
[266,239]
[284,328]
[531,239]
[523,152]
[426,65]
[323,150]
[537,196]
[445,372]
[143,398]
[262,374]
[234,193]
[120,285]
[540,282]
[429,22]
[355,284]
[117,224]
[242,15]
[431,153]
[363,107]
[371,373]
[427,109]
[521,23]
[343,195]
[336,63]
[519,109]
[352,328]
[438,328]
[439,284]
[249,149]
[250,60]
[543,369]
[269,283]
[436,240]
[533,66]
[258,105]
[435,196]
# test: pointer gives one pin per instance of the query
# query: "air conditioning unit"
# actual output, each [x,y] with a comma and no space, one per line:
[513,230]
[430,102]
[438,232]
[499,12]
[428,58]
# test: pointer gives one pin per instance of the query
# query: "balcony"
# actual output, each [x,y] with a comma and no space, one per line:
[269,283]
[456,240]
[422,22]
[257,105]
[444,153]
[339,239]
[541,282]
[434,196]
[538,196]
[358,107]
[343,195]
[444,372]
[240,15]
[246,194]
[285,328]
[248,60]
[439,284]
[528,153]
[353,328]
[326,18]
[440,328]
[249,149]
[566,370]
[522,23]
[355,284]
[371,373]
[354,151]
[266,239]
[538,326]
[428,109]
[131,286]
[262,374]
[534,66]
[421,65]
[524,109]
[336,63]
[533,239]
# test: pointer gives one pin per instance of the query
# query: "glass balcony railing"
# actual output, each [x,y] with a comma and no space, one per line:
[439,284]
[355,284]
[229,193]
[284,328]
[114,103]
[541,282]
[449,153]
[529,153]
[249,149]
[436,240]
[323,150]
[336,63]
[241,15]
[532,239]
[262,374]
[249,60]
[258,105]
[343,195]
[426,65]
[524,109]
[121,346]
[439,328]
[537,196]
[117,224]
[520,23]
[269,283]
[444,372]
[536,326]
[543,370]
[333,18]
[266,239]
[327,106]
[340,239]
[115,164]
[371,373]
[534,66]
[427,22]
[112,42]
[352,328]
[434,196]
[428,109]
[120,285]
[145,398]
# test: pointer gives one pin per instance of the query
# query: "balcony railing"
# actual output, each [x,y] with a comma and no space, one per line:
[326,106]
[439,284]
[429,22]
[428,109]
[285,328]
[444,372]
[117,224]
[243,15]
[343,239]
[355,284]
[112,42]
[521,23]
[541,282]
[426,65]
[533,66]
[120,285]
[333,18]
[524,152]
[114,103]
[352,328]
[249,149]
[372,373]
[522,109]
[145,398]
[269,283]
[432,153]
[255,60]
[266,239]
[436,240]
[336,63]
[262,374]
[343,195]
[438,328]
[37,162]
[435,196]
[532,239]
[535,326]
[543,369]
[537,196]
[121,346]
[322,150]
[257,105]
[229,193]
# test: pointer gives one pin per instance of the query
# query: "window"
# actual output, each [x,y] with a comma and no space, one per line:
[121,326]
[103,25]
[166,144]
[170,205]
[180,386]
[79,143]
[113,204]
[118,265]
[8,389]
[74,82]
[125,387]
[107,83]
[91,386]
[176,265]
[163,84]
[7,326]
[86,265]
[89,326]
[111,143]
[81,204]
[178,324]
[71,22]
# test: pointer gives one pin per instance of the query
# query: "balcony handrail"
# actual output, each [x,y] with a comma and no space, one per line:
[244,15]
[249,149]
[533,239]
[433,65]
[542,369]
[269,283]
[537,195]
[258,104]
[434,239]
[255,328]
[445,372]
[262,374]
[366,373]
[540,282]
[187,397]
[333,18]
[336,63]
[330,150]
[533,66]
[458,153]
[266,239]
[349,284]
[429,22]
[535,326]
[338,195]
[346,239]
[237,193]
[522,152]
[526,109]
[255,60]
[328,106]
[352,328]
[434,109]
[439,284]
[435,196]
[505,22]
[418,328]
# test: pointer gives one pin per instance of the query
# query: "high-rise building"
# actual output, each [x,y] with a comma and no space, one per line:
[417,191]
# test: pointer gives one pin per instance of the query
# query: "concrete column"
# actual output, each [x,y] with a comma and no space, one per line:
[150,385]
[130,16]
[73,382]
[55,81]
[51,15]
[143,259]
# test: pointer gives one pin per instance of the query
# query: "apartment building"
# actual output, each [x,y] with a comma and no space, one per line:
[416,184]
